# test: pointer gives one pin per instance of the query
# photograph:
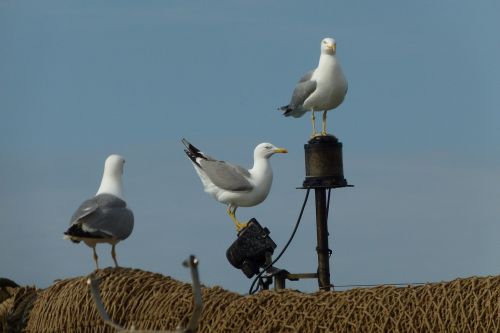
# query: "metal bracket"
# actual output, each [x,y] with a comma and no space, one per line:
[192,327]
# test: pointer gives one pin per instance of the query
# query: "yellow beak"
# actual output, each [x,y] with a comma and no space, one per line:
[331,47]
[281,150]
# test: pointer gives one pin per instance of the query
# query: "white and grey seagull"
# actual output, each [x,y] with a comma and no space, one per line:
[231,184]
[321,89]
[104,218]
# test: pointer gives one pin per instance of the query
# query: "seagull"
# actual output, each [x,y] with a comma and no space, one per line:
[231,184]
[104,218]
[321,89]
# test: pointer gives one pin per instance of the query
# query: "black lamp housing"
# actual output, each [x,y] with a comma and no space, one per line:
[251,249]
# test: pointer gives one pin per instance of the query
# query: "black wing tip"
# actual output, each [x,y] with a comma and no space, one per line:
[185,142]
[191,156]
[70,237]
[76,231]
[190,147]
[192,152]
[287,110]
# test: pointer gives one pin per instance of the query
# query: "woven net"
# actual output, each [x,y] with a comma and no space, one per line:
[152,301]
[15,307]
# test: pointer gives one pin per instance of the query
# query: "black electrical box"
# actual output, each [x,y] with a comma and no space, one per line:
[250,250]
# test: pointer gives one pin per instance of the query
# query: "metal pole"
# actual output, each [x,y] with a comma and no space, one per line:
[322,236]
[279,281]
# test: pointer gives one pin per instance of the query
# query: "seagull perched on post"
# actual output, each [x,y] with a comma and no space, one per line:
[231,184]
[321,89]
[104,218]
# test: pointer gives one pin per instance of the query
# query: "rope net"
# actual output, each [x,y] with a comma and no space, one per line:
[152,301]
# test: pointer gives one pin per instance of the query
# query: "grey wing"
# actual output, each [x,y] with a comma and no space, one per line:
[226,176]
[115,222]
[307,76]
[104,216]
[304,89]
[87,207]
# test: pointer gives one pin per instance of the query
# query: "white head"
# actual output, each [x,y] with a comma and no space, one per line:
[328,46]
[111,182]
[266,150]
[114,165]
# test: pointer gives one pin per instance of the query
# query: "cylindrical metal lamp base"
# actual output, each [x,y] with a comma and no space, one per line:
[324,166]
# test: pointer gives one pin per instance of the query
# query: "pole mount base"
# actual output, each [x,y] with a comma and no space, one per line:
[324,165]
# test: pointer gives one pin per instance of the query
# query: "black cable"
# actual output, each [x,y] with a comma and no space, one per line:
[328,204]
[327,215]
[337,286]
[383,284]
[251,291]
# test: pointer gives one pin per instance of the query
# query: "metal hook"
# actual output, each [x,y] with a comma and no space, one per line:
[192,327]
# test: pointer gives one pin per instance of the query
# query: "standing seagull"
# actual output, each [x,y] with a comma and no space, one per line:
[104,218]
[231,184]
[321,89]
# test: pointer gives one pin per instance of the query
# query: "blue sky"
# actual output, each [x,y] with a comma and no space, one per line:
[80,80]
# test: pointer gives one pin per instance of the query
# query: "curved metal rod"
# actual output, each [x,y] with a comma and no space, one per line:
[192,263]
[192,327]
[94,290]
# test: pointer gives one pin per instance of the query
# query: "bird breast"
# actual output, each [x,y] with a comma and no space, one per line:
[261,179]
[262,186]
[327,96]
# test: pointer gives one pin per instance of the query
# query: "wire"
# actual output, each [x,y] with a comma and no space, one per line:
[382,284]
[326,219]
[328,205]
[251,290]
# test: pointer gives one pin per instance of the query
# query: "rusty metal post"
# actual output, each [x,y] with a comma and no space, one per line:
[324,170]
[322,236]
[279,281]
